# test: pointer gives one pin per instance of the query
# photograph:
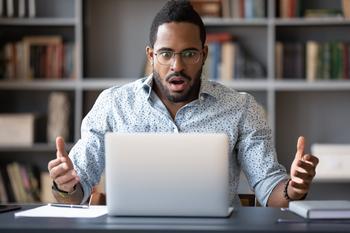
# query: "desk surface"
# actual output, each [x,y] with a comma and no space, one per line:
[244,219]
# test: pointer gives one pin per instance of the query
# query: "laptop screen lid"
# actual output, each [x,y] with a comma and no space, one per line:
[166,174]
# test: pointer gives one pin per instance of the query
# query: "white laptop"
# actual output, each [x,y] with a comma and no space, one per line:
[165,174]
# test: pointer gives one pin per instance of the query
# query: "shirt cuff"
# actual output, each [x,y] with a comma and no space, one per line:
[86,191]
[265,187]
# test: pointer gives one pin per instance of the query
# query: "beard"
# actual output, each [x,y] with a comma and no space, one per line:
[176,97]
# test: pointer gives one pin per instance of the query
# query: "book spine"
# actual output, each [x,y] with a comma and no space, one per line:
[10,8]
[346,8]
[1,8]
[31,8]
[21,8]
[312,48]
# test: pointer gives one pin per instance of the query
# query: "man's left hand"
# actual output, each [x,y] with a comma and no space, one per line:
[302,172]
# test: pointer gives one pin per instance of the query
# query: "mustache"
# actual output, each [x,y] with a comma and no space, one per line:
[178,74]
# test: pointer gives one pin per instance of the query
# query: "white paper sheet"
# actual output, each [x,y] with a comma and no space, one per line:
[63,212]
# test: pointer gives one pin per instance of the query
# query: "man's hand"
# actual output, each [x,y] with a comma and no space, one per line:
[61,169]
[302,172]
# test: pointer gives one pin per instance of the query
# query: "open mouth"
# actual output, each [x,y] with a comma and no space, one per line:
[177,84]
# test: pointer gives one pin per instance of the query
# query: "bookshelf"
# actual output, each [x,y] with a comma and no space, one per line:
[62,18]
[111,51]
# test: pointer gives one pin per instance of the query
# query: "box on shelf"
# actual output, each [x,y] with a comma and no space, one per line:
[333,162]
[19,129]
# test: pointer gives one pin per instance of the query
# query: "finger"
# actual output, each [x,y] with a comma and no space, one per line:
[68,186]
[53,163]
[300,148]
[312,159]
[61,152]
[60,170]
[307,167]
[306,177]
[301,187]
[66,178]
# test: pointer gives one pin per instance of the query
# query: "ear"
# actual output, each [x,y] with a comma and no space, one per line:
[205,53]
[150,54]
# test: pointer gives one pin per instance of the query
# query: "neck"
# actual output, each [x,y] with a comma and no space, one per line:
[173,107]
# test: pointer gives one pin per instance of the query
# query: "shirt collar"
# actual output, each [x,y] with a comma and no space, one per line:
[146,85]
[207,87]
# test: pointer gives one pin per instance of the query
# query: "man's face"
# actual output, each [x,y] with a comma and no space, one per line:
[178,80]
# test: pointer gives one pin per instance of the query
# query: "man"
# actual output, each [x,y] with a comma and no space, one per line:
[176,98]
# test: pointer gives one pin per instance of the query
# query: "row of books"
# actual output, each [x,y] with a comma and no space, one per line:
[313,60]
[228,60]
[257,9]
[230,8]
[19,183]
[18,8]
[33,57]
[296,8]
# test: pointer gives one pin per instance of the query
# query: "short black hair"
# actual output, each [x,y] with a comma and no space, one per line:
[176,11]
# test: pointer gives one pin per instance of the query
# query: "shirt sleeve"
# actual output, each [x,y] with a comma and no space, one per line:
[256,153]
[88,155]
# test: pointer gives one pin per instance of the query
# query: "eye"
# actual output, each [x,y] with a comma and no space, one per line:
[189,53]
[166,54]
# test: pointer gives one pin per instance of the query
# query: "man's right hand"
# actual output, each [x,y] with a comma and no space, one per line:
[61,169]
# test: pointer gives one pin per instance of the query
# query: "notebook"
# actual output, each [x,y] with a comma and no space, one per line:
[321,209]
[165,174]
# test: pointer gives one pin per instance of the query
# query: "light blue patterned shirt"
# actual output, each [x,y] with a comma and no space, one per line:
[136,108]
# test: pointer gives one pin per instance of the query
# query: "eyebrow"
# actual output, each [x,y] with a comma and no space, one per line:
[169,49]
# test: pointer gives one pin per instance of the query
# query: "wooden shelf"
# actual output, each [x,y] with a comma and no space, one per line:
[37,147]
[235,22]
[319,85]
[39,85]
[103,82]
[311,22]
[38,21]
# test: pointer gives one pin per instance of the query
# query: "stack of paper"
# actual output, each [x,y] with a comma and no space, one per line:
[63,212]
[322,209]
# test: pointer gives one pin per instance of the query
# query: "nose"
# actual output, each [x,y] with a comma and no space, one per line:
[177,63]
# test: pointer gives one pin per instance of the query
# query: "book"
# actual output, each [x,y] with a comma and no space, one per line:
[279,59]
[58,116]
[46,195]
[235,9]
[293,60]
[321,209]
[320,13]
[226,8]
[21,8]
[312,50]
[10,195]
[207,8]
[31,8]
[227,61]
[10,8]
[259,8]
[346,8]
[1,8]
[3,194]
[36,62]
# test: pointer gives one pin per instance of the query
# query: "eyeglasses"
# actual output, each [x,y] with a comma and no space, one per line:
[189,57]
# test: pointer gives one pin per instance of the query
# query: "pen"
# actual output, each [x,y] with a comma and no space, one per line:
[284,220]
[69,206]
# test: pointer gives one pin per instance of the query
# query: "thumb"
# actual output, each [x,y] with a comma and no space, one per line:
[300,148]
[61,152]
